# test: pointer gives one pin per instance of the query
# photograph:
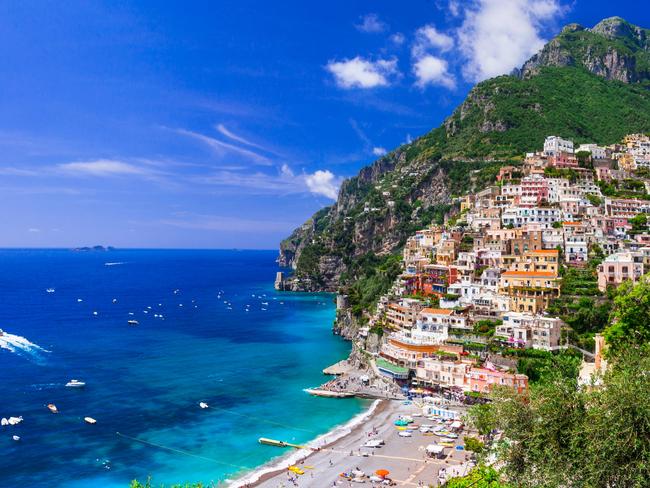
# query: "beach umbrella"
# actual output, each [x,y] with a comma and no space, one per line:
[382,472]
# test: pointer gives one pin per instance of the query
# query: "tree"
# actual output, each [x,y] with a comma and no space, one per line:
[480,477]
[631,316]
[565,435]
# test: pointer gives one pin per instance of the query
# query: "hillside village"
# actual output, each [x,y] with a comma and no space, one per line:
[509,273]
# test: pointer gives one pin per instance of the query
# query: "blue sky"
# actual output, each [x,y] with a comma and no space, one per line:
[224,124]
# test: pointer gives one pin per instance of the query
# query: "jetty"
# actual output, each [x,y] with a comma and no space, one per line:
[329,394]
[273,442]
[338,369]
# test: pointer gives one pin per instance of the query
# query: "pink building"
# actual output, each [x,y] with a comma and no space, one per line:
[619,267]
[564,160]
[534,189]
[483,380]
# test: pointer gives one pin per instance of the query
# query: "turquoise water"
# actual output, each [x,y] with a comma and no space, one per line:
[145,382]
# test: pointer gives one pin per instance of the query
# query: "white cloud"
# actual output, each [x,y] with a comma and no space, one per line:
[323,183]
[371,23]
[285,182]
[33,229]
[499,35]
[242,140]
[221,147]
[454,8]
[398,38]
[379,151]
[428,37]
[363,73]
[103,167]
[431,70]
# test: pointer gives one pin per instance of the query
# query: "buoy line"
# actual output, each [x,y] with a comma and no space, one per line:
[179,451]
[259,419]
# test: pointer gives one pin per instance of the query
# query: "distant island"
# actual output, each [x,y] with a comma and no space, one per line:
[93,249]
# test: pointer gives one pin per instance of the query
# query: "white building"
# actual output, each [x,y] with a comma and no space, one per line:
[596,151]
[520,216]
[554,145]
[527,330]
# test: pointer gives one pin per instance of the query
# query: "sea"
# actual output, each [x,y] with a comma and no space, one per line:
[211,329]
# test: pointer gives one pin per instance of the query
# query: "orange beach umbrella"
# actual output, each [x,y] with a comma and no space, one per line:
[382,472]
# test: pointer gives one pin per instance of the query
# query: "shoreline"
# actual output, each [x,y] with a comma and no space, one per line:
[279,465]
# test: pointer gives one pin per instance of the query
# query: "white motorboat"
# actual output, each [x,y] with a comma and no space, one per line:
[50,290]
[75,384]
[16,438]
[203,405]
[90,420]
[52,408]
[132,322]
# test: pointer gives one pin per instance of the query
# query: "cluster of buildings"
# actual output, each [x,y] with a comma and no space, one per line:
[489,274]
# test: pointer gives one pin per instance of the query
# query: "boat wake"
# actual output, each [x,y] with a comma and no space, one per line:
[22,346]
[114,264]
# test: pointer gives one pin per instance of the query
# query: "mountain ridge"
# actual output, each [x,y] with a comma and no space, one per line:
[591,85]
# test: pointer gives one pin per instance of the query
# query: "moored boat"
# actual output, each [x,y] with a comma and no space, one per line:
[52,408]
[90,420]
[75,384]
[132,322]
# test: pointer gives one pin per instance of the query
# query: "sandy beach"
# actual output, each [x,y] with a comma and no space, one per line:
[404,457]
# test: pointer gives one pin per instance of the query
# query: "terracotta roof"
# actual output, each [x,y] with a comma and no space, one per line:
[540,274]
[439,311]
[545,251]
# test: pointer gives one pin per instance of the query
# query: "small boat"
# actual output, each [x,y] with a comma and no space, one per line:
[52,408]
[94,313]
[50,290]
[75,384]
[1,333]
[79,300]
[114,300]
[90,420]
[16,438]
[132,322]
[203,405]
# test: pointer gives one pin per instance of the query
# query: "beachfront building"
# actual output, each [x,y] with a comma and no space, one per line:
[482,380]
[443,372]
[619,267]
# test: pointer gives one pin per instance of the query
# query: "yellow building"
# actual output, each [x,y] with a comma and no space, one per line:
[529,291]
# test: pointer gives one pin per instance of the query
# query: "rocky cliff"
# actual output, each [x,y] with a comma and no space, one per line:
[613,49]
[586,84]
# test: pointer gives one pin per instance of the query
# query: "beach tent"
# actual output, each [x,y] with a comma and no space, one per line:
[435,449]
[456,424]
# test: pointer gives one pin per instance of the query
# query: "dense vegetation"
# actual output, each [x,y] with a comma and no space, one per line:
[564,435]
[560,100]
